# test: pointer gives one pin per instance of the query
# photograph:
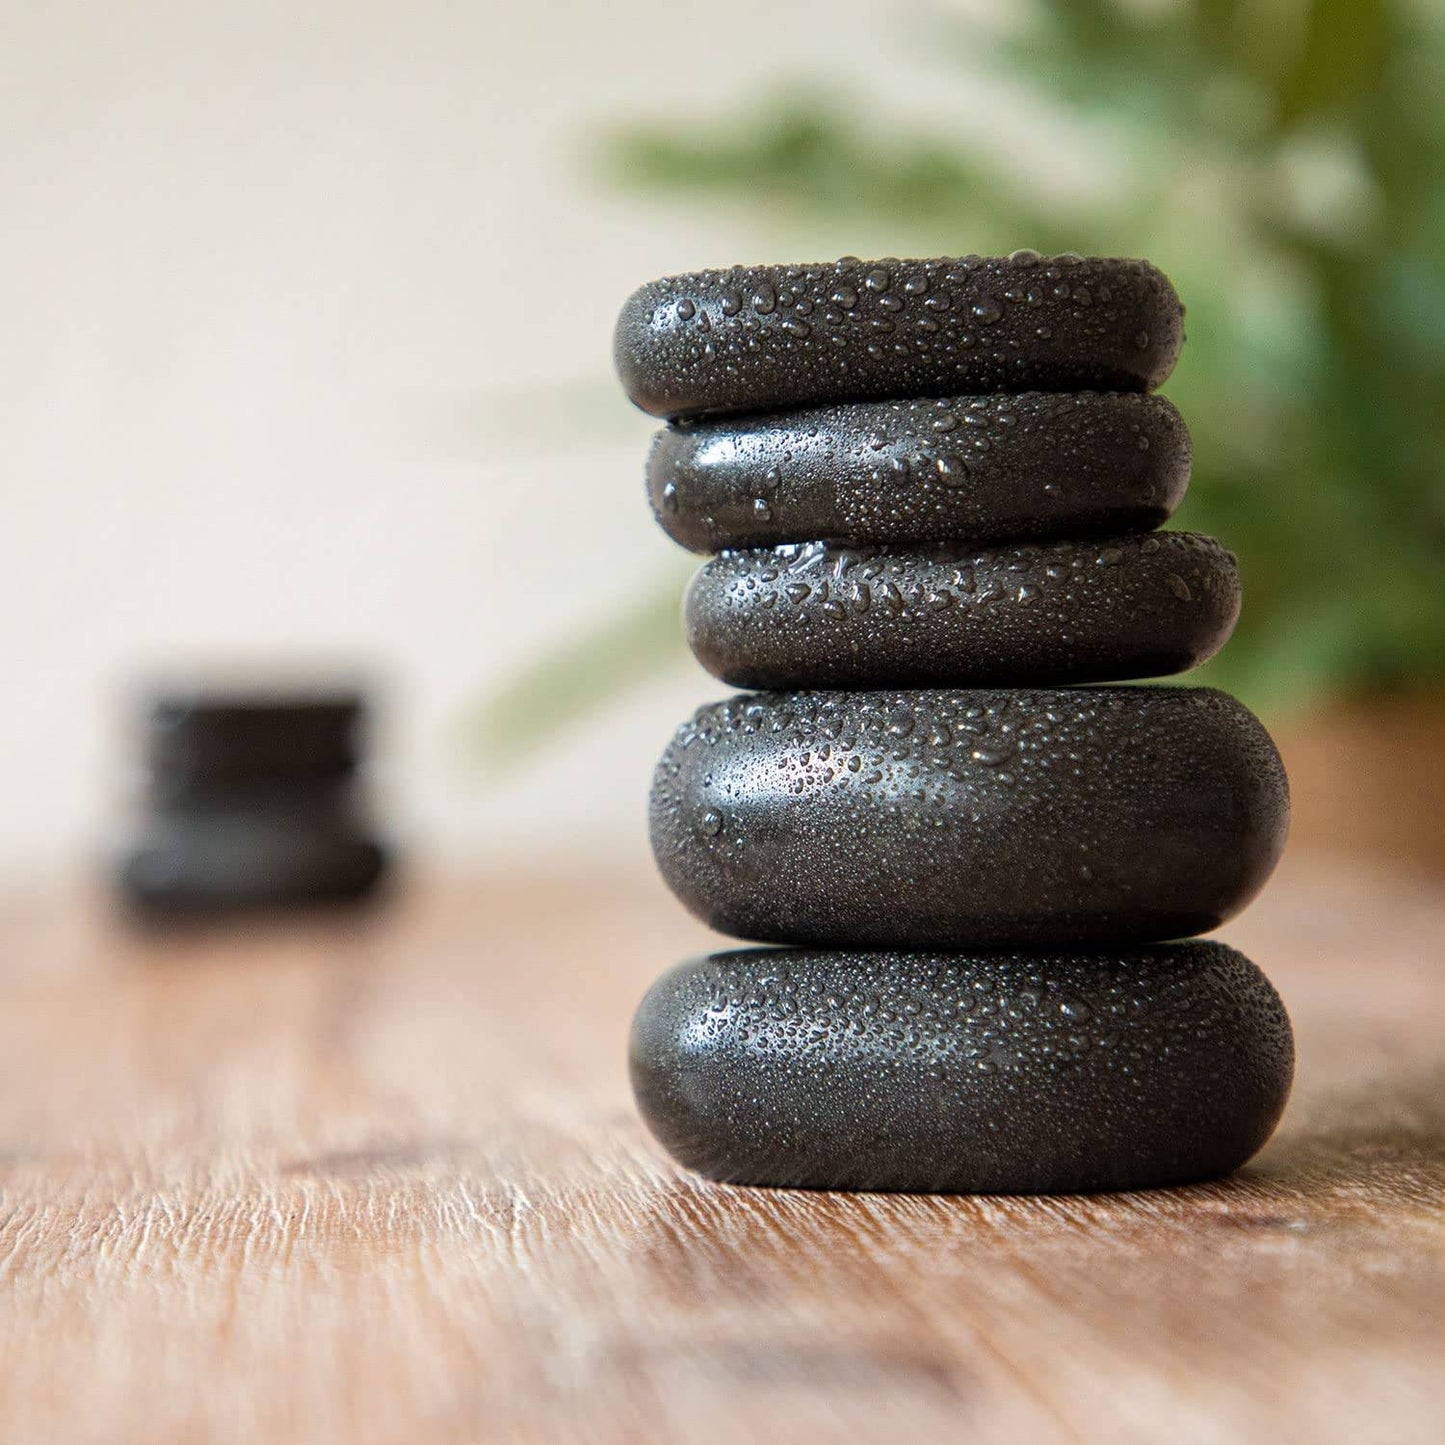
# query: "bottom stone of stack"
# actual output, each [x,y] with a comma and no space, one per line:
[983,1073]
[205,859]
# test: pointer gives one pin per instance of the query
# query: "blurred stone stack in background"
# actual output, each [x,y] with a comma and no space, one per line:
[253,800]
[933,487]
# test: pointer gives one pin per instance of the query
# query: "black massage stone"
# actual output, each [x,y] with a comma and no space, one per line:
[754,338]
[958,818]
[253,800]
[205,739]
[220,859]
[974,468]
[817,615]
[1000,1073]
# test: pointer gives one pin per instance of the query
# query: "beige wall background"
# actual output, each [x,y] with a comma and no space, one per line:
[304,353]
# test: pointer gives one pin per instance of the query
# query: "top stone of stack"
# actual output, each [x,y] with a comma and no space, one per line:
[763,337]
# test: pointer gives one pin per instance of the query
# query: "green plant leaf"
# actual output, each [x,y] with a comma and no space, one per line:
[1314,377]
[570,679]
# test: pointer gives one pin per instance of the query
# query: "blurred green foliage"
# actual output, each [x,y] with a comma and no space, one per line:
[1284,162]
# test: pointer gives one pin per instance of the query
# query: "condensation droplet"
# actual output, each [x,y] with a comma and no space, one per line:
[991,757]
[952,470]
[900,722]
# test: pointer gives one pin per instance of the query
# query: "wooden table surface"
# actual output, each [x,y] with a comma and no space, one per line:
[380,1179]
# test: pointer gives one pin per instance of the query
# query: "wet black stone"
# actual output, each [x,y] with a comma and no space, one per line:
[830,616]
[975,468]
[1121,1069]
[955,818]
[758,337]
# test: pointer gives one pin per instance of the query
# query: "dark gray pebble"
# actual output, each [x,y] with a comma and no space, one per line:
[960,818]
[1013,1073]
[205,860]
[829,616]
[200,740]
[756,337]
[975,468]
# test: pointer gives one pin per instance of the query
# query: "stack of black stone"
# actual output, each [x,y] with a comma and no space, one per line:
[253,800]
[933,487]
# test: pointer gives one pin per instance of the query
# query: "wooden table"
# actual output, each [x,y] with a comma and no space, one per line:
[380,1179]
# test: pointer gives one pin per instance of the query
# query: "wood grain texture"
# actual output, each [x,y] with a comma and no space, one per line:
[380,1179]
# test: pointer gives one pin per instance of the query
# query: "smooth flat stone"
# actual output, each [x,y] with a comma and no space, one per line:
[999,1073]
[213,860]
[975,468]
[955,818]
[203,738]
[828,616]
[753,338]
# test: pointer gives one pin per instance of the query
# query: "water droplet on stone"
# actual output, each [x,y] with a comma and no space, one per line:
[952,470]
[991,755]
